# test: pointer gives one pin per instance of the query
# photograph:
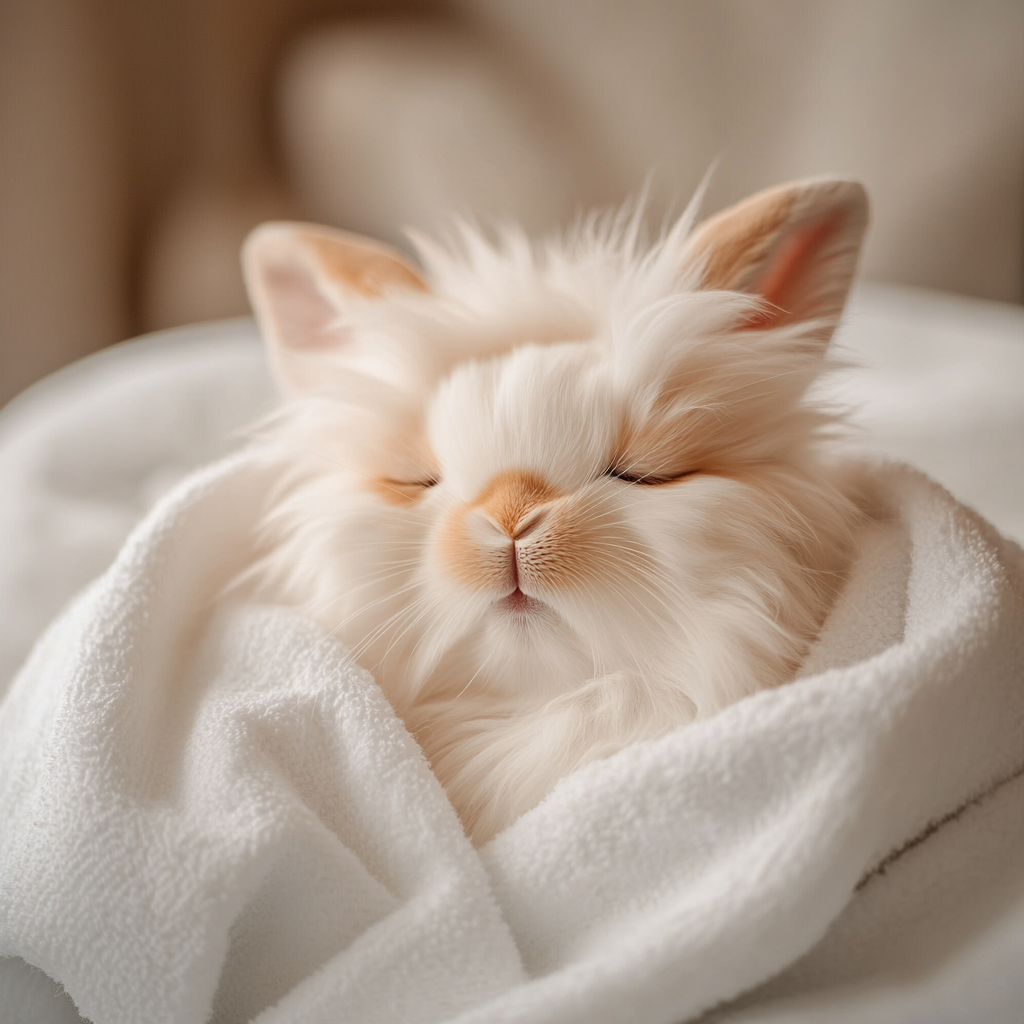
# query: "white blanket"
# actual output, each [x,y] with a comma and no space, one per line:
[207,810]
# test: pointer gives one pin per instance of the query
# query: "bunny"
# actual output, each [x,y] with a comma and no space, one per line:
[560,498]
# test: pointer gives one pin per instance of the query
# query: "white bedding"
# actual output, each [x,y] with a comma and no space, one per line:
[282,839]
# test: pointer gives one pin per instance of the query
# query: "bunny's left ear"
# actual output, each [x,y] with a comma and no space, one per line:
[300,278]
[795,246]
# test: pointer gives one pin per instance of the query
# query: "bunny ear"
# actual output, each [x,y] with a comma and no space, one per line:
[795,246]
[299,277]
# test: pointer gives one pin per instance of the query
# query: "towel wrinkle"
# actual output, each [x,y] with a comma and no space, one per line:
[934,826]
[211,813]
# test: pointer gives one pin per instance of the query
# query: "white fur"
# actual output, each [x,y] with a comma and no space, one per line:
[560,361]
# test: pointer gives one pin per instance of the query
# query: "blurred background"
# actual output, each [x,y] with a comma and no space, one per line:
[141,139]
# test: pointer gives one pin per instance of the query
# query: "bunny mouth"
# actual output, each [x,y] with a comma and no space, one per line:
[519,603]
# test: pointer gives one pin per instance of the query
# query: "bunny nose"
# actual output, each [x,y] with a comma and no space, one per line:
[514,501]
[530,522]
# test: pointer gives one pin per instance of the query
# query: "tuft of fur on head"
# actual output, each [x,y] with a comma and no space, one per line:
[560,498]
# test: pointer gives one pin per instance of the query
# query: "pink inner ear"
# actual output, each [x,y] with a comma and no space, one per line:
[303,319]
[790,280]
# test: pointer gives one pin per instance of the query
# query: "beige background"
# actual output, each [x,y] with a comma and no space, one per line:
[139,139]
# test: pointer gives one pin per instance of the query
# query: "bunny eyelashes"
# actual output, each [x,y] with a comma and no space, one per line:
[563,499]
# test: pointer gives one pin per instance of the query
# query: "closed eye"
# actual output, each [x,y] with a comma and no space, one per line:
[647,479]
[401,492]
[427,482]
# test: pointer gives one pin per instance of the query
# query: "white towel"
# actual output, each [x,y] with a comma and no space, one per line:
[210,810]
[126,907]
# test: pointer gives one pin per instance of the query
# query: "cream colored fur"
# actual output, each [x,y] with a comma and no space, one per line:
[561,498]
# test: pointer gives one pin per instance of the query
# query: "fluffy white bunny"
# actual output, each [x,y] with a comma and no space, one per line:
[560,498]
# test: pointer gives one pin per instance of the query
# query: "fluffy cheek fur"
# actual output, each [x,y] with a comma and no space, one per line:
[658,604]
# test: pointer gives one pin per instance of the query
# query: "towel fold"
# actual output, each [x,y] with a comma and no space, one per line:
[209,810]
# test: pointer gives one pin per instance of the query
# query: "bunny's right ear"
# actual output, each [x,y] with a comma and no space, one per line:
[299,277]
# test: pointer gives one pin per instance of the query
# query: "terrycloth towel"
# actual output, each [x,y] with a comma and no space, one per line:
[208,809]
[192,836]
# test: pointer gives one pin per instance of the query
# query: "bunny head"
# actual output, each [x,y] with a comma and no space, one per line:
[562,497]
